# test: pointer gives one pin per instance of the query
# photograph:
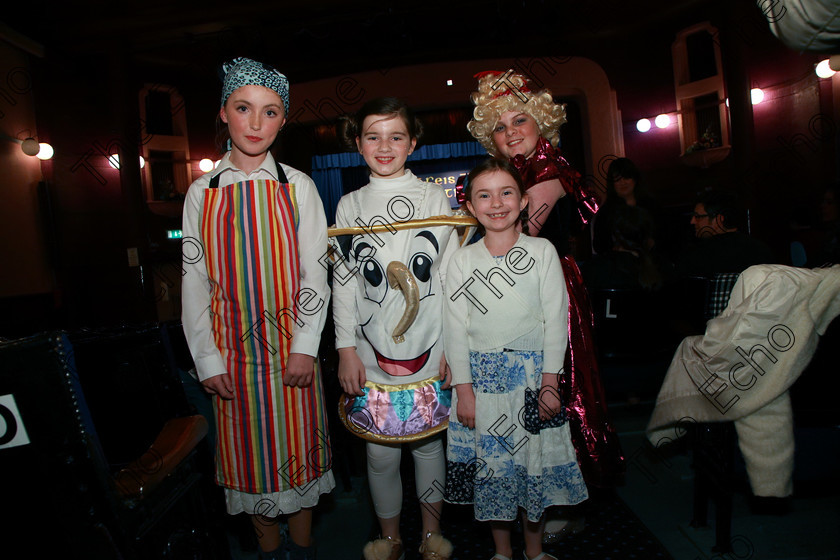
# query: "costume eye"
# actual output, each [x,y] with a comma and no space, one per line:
[421,266]
[499,128]
[372,272]
[521,120]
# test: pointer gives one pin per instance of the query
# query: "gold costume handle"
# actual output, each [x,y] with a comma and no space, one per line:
[457,221]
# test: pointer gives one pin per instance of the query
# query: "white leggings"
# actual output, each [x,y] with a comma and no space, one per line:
[383,467]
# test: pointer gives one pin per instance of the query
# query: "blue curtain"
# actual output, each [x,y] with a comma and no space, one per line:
[329,182]
[337,174]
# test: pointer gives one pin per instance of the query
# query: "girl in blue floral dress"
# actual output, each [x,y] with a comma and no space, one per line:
[510,448]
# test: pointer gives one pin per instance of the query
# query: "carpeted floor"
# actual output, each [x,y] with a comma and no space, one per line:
[612,531]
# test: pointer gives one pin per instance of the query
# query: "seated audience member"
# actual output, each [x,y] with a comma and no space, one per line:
[720,246]
[631,261]
[625,188]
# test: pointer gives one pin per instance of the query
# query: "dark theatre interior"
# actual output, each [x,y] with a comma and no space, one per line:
[106,441]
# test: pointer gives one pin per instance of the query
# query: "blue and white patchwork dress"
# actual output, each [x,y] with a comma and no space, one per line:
[511,459]
[500,466]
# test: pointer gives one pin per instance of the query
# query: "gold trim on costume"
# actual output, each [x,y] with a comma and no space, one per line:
[408,224]
[404,387]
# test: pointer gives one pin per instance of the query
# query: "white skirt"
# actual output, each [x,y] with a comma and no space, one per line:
[279,503]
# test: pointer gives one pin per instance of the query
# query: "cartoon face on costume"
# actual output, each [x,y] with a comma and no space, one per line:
[400,313]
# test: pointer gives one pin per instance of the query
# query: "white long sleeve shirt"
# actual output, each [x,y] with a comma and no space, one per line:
[196,285]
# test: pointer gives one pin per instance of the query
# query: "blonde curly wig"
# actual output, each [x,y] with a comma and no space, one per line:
[501,92]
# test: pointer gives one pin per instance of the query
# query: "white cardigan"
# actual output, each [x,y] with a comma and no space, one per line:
[519,303]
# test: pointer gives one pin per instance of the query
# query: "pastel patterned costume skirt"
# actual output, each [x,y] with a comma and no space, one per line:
[396,413]
[511,459]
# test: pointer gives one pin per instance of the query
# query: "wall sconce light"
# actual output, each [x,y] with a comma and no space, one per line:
[31,147]
[824,70]
[756,95]
[45,151]
[206,165]
[114,161]
[661,121]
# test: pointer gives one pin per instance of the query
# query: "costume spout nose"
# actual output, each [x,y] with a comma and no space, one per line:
[401,278]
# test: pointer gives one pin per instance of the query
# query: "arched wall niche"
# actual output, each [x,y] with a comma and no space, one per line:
[425,87]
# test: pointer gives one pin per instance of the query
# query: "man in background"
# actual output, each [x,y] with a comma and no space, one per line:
[720,246]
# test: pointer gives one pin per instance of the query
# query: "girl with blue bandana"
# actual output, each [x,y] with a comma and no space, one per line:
[254,305]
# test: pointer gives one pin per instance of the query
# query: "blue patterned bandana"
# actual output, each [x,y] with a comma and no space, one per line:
[246,72]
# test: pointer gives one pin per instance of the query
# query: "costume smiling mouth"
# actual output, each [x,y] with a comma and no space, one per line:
[399,368]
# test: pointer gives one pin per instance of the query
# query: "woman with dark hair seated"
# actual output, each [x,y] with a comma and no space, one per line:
[625,187]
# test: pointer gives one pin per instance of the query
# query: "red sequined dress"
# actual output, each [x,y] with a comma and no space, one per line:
[596,442]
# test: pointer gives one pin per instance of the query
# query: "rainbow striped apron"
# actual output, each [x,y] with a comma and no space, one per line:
[271,437]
